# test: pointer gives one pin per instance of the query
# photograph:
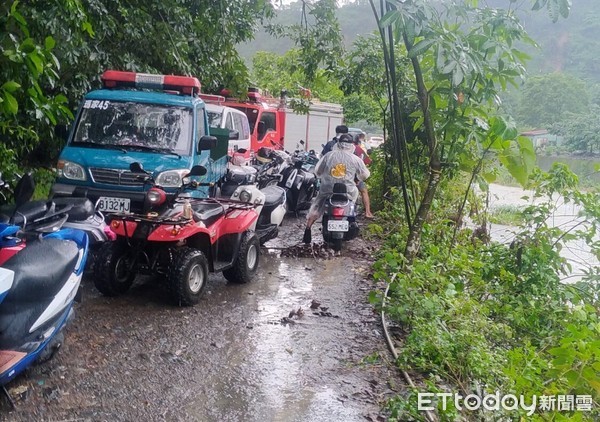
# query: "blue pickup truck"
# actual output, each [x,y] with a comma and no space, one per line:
[156,120]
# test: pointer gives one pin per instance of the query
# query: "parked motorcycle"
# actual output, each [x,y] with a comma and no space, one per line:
[294,173]
[241,184]
[339,218]
[271,164]
[181,238]
[38,284]
[299,179]
[46,216]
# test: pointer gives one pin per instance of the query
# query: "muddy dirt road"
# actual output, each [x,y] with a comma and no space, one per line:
[255,352]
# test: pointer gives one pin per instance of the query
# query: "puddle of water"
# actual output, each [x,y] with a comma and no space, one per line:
[282,371]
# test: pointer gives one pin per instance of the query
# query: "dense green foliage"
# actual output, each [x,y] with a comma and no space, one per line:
[483,317]
[54,52]
[548,99]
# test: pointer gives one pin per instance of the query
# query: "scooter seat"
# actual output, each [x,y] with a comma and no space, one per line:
[339,199]
[207,212]
[274,195]
[41,269]
[81,208]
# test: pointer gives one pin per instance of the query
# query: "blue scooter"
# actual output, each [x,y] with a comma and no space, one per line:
[38,284]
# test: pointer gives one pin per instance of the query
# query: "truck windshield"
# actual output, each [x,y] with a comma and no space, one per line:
[214,118]
[252,114]
[129,125]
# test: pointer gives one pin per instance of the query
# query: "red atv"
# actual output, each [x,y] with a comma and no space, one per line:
[180,238]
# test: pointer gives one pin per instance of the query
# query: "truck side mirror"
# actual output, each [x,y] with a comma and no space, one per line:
[234,135]
[262,129]
[197,171]
[207,142]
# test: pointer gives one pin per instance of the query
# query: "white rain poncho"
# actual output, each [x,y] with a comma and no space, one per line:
[340,165]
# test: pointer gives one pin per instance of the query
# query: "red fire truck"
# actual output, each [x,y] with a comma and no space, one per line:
[274,125]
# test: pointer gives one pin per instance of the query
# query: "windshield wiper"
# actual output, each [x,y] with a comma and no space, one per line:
[153,149]
[97,145]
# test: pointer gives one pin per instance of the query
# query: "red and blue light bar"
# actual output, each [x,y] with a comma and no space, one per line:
[185,84]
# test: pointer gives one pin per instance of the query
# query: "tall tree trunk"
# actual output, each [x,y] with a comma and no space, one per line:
[413,243]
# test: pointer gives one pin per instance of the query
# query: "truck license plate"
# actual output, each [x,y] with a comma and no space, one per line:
[106,203]
[337,225]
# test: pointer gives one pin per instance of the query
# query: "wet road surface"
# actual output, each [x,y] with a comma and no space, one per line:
[254,352]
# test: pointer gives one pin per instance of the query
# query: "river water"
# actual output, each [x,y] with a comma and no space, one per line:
[566,217]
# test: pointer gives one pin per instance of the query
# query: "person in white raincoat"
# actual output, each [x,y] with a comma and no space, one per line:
[340,165]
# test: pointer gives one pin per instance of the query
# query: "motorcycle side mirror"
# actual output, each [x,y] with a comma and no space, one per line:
[301,142]
[207,142]
[197,171]
[24,190]
[242,150]
[136,168]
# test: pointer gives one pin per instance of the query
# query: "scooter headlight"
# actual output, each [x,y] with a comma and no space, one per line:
[245,196]
[70,170]
[171,178]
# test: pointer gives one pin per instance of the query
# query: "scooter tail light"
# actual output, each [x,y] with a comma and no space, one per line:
[337,212]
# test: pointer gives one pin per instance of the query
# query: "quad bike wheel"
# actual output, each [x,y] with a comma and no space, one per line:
[246,263]
[188,275]
[112,274]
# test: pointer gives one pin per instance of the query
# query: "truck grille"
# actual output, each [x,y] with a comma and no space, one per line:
[115,177]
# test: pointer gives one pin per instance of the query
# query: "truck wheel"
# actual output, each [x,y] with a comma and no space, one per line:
[246,263]
[188,275]
[112,276]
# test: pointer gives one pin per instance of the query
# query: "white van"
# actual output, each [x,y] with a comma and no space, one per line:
[232,119]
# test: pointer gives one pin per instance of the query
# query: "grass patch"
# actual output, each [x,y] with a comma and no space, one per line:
[509,215]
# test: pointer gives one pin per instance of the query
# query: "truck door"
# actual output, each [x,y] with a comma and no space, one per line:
[267,129]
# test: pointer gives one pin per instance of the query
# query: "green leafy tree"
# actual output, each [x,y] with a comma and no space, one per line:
[273,73]
[462,56]
[317,36]
[28,65]
[581,132]
[47,76]
[362,74]
[548,99]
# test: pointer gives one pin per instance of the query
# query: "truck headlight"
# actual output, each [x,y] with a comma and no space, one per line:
[70,170]
[171,178]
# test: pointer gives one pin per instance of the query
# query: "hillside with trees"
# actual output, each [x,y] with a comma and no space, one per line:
[562,81]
